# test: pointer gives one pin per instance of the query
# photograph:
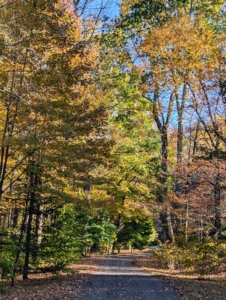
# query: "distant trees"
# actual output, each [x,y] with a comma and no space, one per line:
[136,233]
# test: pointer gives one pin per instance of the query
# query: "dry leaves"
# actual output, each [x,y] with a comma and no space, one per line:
[190,287]
[46,286]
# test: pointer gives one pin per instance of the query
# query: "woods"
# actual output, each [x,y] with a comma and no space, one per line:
[112,131]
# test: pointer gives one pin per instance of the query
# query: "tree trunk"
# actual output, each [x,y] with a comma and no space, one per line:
[180,129]
[166,215]
[15,217]
[186,222]
[217,204]
[33,178]
[163,125]
[38,225]
[4,221]
[22,231]
[28,239]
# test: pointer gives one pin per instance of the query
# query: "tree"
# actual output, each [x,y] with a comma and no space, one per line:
[167,56]
[136,233]
[126,179]
[62,242]
[48,114]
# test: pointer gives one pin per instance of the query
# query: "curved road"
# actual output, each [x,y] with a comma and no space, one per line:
[118,279]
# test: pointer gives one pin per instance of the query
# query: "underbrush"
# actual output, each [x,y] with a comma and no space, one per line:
[196,271]
[199,258]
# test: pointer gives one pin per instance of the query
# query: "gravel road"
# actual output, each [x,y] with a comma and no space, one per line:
[118,279]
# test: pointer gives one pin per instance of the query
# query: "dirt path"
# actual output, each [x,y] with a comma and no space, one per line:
[118,279]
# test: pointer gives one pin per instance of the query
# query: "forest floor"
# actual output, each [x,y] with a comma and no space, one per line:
[74,286]
[95,278]
[48,286]
[190,287]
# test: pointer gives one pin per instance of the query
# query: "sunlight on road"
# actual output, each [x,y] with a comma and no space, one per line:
[109,270]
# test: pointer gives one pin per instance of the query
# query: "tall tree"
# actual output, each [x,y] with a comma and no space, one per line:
[48,115]
[169,42]
[127,182]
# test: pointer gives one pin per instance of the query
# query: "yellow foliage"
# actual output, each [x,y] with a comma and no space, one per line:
[126,6]
[179,47]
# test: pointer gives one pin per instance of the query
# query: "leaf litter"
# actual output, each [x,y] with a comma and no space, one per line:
[190,287]
[52,287]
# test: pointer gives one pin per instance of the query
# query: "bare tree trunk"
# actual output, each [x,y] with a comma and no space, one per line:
[166,215]
[38,225]
[33,184]
[217,206]
[15,216]
[163,125]
[186,222]
[169,223]
[28,239]
[200,232]
[22,232]
[4,221]
[180,129]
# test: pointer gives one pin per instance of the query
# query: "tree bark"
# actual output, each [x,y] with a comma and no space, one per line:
[163,125]
[163,128]
[33,183]
[217,204]
[180,129]
[22,232]
[38,225]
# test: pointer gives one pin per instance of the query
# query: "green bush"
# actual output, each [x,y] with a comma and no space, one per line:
[137,233]
[61,244]
[201,258]
[169,256]
[6,270]
[101,232]
[206,257]
[7,257]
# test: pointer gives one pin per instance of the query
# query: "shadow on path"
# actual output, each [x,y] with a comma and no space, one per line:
[118,279]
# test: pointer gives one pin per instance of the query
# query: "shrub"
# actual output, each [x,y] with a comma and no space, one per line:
[6,270]
[202,258]
[61,244]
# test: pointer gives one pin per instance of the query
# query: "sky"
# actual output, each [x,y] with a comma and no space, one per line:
[111,8]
